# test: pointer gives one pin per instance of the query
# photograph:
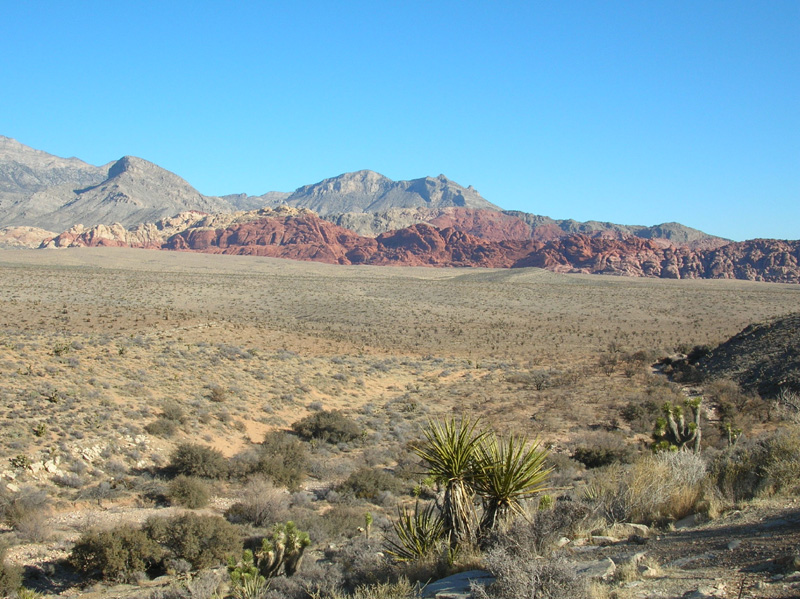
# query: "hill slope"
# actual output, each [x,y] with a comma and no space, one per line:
[764,357]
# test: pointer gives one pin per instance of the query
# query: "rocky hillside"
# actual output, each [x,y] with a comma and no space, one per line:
[764,357]
[301,235]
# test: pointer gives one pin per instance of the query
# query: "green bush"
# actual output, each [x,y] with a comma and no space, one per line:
[188,492]
[332,427]
[192,459]
[10,575]
[115,554]
[203,541]
[595,456]
[283,459]
[370,483]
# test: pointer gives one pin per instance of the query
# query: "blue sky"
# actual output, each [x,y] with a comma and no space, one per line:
[636,112]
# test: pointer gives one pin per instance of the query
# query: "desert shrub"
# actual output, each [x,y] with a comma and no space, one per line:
[640,413]
[116,554]
[523,576]
[161,427]
[370,484]
[217,393]
[172,411]
[10,575]
[361,562]
[188,491]
[332,427]
[261,505]
[602,449]
[25,512]
[340,521]
[192,459]
[315,580]
[203,541]
[565,469]
[538,533]
[760,467]
[283,459]
[655,489]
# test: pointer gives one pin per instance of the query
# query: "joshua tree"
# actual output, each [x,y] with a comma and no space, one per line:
[674,431]
[283,549]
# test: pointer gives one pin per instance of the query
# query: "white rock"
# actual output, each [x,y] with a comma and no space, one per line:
[602,569]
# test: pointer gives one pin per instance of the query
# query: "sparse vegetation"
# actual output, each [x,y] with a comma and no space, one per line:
[10,575]
[127,417]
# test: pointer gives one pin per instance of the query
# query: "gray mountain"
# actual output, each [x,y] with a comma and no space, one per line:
[676,233]
[24,170]
[34,183]
[368,191]
[136,191]
[41,190]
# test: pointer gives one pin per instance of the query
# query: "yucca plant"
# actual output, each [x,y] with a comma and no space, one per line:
[507,471]
[450,453]
[246,581]
[419,533]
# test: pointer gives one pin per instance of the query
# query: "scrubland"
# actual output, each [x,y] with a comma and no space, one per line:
[113,361]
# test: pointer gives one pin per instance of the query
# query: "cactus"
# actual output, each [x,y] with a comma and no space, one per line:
[674,431]
[282,550]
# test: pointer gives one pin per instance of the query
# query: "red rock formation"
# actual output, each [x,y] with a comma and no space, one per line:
[304,237]
[301,235]
[489,225]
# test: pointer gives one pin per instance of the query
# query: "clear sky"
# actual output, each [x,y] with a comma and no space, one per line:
[636,112]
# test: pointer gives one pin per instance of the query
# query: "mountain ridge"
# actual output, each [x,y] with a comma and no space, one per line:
[44,191]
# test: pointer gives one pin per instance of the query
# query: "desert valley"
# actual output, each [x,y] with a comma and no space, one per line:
[197,392]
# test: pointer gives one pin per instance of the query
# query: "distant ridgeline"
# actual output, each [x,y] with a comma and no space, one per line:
[355,218]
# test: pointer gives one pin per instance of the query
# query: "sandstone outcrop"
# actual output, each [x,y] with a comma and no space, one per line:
[498,242]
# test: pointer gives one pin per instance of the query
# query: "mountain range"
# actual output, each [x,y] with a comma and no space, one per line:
[356,218]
